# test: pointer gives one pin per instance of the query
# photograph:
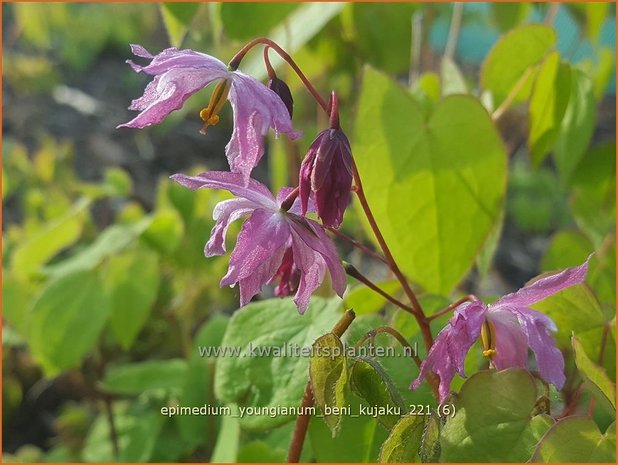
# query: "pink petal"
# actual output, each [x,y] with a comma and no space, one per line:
[312,270]
[511,343]
[225,213]
[549,359]
[256,109]
[446,356]
[545,287]
[261,237]
[178,75]
[232,182]
[314,236]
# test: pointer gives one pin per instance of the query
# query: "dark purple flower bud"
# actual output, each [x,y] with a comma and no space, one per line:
[327,171]
[283,91]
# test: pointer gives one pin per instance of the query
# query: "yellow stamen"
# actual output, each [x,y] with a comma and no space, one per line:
[210,114]
[488,339]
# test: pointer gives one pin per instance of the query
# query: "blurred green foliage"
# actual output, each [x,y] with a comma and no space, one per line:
[107,295]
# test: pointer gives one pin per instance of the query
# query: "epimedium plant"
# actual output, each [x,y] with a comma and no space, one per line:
[426,170]
[278,243]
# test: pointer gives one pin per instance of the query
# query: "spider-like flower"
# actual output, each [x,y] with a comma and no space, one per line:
[273,243]
[506,328]
[178,74]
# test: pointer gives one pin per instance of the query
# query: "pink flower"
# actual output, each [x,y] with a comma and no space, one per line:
[178,74]
[327,172]
[272,241]
[506,328]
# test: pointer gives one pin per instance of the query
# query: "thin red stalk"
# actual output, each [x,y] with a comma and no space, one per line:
[269,68]
[418,311]
[453,306]
[358,245]
[235,61]
[352,271]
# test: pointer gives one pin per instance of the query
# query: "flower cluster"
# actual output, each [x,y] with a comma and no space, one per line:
[277,242]
[279,245]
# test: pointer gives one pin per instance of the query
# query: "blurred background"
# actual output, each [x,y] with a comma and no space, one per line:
[79,194]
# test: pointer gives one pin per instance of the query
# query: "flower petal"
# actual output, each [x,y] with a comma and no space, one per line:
[314,236]
[511,344]
[261,237]
[225,213]
[312,270]
[545,287]
[549,359]
[252,284]
[446,356]
[256,108]
[178,75]
[232,182]
[172,58]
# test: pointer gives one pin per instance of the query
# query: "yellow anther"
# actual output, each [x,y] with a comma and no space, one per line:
[488,339]
[210,114]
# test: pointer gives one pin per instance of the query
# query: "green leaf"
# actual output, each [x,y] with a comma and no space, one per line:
[132,281]
[302,25]
[404,441]
[109,242]
[365,301]
[135,378]
[267,380]
[226,448]
[370,382]
[510,58]
[452,80]
[384,44]
[67,319]
[137,430]
[493,420]
[16,298]
[57,235]
[548,104]
[577,440]
[597,378]
[198,384]
[328,371]
[593,201]
[577,125]
[166,230]
[177,18]
[260,452]
[245,21]
[430,444]
[429,176]
[359,438]
[507,15]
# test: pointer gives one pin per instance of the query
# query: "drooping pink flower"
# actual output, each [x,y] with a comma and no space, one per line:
[506,328]
[327,171]
[268,239]
[178,74]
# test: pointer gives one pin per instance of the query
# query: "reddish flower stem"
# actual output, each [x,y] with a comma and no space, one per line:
[352,271]
[359,245]
[453,306]
[421,319]
[235,62]
[269,68]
